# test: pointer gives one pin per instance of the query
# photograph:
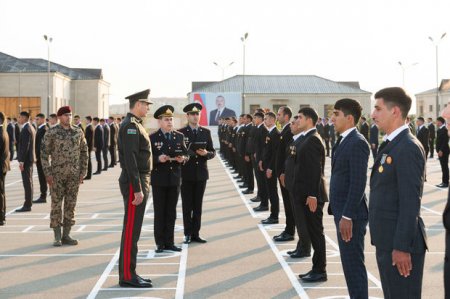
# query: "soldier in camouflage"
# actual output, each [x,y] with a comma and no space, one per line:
[64,160]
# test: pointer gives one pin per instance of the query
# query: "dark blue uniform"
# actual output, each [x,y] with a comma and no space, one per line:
[194,177]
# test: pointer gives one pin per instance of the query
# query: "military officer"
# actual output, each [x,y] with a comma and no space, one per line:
[136,162]
[194,172]
[64,161]
[169,152]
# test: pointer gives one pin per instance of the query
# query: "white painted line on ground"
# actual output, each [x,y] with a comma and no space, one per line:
[104,276]
[46,217]
[94,216]
[55,255]
[292,277]
[81,228]
[135,289]
[12,211]
[149,275]
[28,228]
[431,211]
[182,272]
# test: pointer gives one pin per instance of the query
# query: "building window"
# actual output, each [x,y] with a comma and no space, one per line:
[420,110]
[430,108]
[253,108]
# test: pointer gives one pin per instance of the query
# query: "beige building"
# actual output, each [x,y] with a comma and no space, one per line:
[426,101]
[270,91]
[26,85]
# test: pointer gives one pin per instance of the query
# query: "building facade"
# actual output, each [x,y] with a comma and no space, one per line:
[426,100]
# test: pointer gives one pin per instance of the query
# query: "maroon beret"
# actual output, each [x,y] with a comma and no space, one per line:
[63,110]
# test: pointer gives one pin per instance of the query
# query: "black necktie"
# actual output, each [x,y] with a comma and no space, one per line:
[195,132]
[383,145]
[167,136]
[338,142]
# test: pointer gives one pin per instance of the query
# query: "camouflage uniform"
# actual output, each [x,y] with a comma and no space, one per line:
[64,157]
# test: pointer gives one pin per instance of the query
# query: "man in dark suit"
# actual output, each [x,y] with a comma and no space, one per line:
[194,172]
[268,166]
[40,122]
[332,135]
[221,111]
[423,134]
[259,140]
[442,150]
[432,131]
[4,164]
[12,138]
[16,134]
[319,127]
[374,140]
[364,128]
[169,153]
[106,143]
[77,122]
[249,177]
[113,135]
[348,200]
[26,157]
[326,135]
[89,134]
[98,143]
[309,191]
[284,117]
[396,189]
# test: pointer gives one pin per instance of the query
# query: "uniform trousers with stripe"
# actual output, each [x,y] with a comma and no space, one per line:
[132,224]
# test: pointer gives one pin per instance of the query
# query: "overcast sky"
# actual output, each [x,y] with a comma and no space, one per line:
[165,45]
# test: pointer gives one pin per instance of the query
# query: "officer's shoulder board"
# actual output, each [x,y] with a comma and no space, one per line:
[178,133]
[203,129]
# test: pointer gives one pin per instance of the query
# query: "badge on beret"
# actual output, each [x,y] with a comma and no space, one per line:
[132,132]
[389,160]
[380,169]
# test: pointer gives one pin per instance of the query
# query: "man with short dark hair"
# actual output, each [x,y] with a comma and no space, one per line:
[114,133]
[16,135]
[396,189]
[442,150]
[77,122]
[106,143]
[12,139]
[374,139]
[248,167]
[4,167]
[348,202]
[26,157]
[41,130]
[364,128]
[98,143]
[432,133]
[89,135]
[423,134]
[52,120]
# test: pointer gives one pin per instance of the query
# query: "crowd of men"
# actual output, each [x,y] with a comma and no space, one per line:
[291,157]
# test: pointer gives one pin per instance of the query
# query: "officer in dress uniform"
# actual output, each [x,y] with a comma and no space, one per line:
[136,163]
[194,172]
[169,152]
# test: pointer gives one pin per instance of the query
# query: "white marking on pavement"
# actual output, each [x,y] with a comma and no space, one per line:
[94,216]
[28,229]
[81,228]
[182,272]
[104,276]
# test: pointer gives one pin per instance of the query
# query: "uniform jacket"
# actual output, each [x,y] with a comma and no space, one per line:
[285,140]
[168,173]
[89,134]
[270,150]
[26,151]
[260,139]
[135,151]
[39,137]
[250,146]
[4,151]
[196,168]
[396,187]
[349,177]
[442,141]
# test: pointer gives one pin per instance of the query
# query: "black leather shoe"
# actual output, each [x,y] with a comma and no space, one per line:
[23,209]
[260,209]
[198,240]
[172,248]
[291,251]
[159,248]
[247,191]
[97,172]
[187,239]
[442,185]
[135,283]
[315,277]
[87,178]
[2,222]
[240,181]
[298,254]
[105,169]
[305,274]
[283,237]
[238,177]
[40,200]
[144,279]
[255,199]
[269,221]
[243,186]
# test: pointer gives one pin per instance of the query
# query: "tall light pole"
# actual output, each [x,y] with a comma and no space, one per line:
[436,45]
[404,67]
[48,39]
[223,68]
[243,40]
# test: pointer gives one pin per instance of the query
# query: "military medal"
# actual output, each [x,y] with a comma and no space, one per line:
[380,169]
[389,160]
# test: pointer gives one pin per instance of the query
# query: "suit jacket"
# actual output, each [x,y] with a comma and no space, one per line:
[396,187]
[98,138]
[106,136]
[4,151]
[89,134]
[114,134]
[332,134]
[168,173]
[364,130]
[285,141]
[308,177]
[432,131]
[10,129]
[16,132]
[442,141]
[269,156]
[39,137]
[196,168]
[260,139]
[250,146]
[373,135]
[326,131]
[320,129]
[349,177]
[424,135]
[225,113]
[26,151]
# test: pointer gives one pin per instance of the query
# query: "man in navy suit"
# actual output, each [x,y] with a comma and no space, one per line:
[348,200]
[396,188]
[373,139]
[442,150]
[41,130]
[221,111]
[12,139]
[98,143]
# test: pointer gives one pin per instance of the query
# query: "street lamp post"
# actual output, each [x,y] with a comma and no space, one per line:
[48,39]
[436,45]
[404,67]
[223,68]
[243,40]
